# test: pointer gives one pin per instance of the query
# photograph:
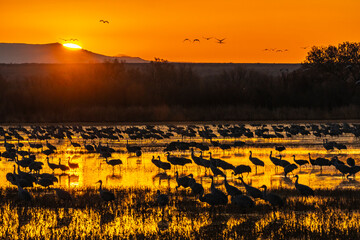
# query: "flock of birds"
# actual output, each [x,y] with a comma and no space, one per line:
[28,170]
[197,40]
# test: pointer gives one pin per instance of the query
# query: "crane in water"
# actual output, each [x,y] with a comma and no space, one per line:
[231,190]
[256,161]
[104,194]
[303,189]
[274,199]
[23,193]
[253,192]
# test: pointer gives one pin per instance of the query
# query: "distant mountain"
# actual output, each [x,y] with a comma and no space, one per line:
[54,53]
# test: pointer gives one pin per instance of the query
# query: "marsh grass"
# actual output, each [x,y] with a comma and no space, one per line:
[135,215]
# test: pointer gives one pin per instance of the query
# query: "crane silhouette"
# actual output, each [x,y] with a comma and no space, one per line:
[104,194]
[256,161]
[303,189]
[104,21]
[220,41]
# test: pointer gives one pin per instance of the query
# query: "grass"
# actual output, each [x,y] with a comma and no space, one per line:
[135,215]
[164,113]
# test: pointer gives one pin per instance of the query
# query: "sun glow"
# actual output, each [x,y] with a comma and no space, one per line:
[72,46]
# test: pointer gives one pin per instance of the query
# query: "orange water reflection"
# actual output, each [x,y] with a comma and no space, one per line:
[139,171]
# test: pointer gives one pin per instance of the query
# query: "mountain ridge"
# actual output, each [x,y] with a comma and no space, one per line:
[18,53]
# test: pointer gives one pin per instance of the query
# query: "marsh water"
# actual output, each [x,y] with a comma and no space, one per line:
[140,171]
[135,181]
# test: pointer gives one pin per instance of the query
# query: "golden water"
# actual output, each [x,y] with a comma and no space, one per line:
[123,220]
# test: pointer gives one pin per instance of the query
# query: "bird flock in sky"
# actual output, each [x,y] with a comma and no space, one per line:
[197,40]
[75,39]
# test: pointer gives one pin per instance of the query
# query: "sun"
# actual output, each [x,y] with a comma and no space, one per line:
[72,45]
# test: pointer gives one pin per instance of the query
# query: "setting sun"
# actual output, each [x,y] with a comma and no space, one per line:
[72,46]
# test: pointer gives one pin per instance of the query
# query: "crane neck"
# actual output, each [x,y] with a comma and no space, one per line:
[212,183]
[100,187]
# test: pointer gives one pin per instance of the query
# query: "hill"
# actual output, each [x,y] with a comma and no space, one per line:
[16,53]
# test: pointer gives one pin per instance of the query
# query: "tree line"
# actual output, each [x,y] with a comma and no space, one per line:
[327,80]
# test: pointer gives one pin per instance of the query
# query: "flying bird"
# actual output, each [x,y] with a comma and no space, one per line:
[196,40]
[104,21]
[207,38]
[186,39]
[220,41]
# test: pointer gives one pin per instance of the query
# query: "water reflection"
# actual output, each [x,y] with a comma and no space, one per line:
[86,167]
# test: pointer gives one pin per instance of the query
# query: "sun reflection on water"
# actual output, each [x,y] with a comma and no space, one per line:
[134,214]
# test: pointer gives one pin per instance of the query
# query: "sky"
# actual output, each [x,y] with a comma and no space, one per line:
[157,28]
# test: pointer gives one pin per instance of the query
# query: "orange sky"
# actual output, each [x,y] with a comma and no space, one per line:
[157,28]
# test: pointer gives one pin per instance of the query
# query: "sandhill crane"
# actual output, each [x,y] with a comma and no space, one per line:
[289,168]
[89,148]
[340,146]
[177,161]
[52,165]
[256,161]
[196,188]
[36,166]
[50,146]
[133,149]
[164,165]
[24,175]
[197,160]
[328,145]
[303,189]
[273,199]
[216,197]
[75,145]
[103,21]
[220,194]
[215,170]
[231,190]
[253,192]
[25,162]
[206,163]
[312,162]
[63,167]
[242,169]
[104,194]
[322,162]
[207,38]
[212,199]
[220,41]
[283,162]
[182,181]
[341,167]
[45,182]
[22,193]
[62,194]
[162,200]
[280,148]
[113,162]
[274,160]
[300,162]
[242,201]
